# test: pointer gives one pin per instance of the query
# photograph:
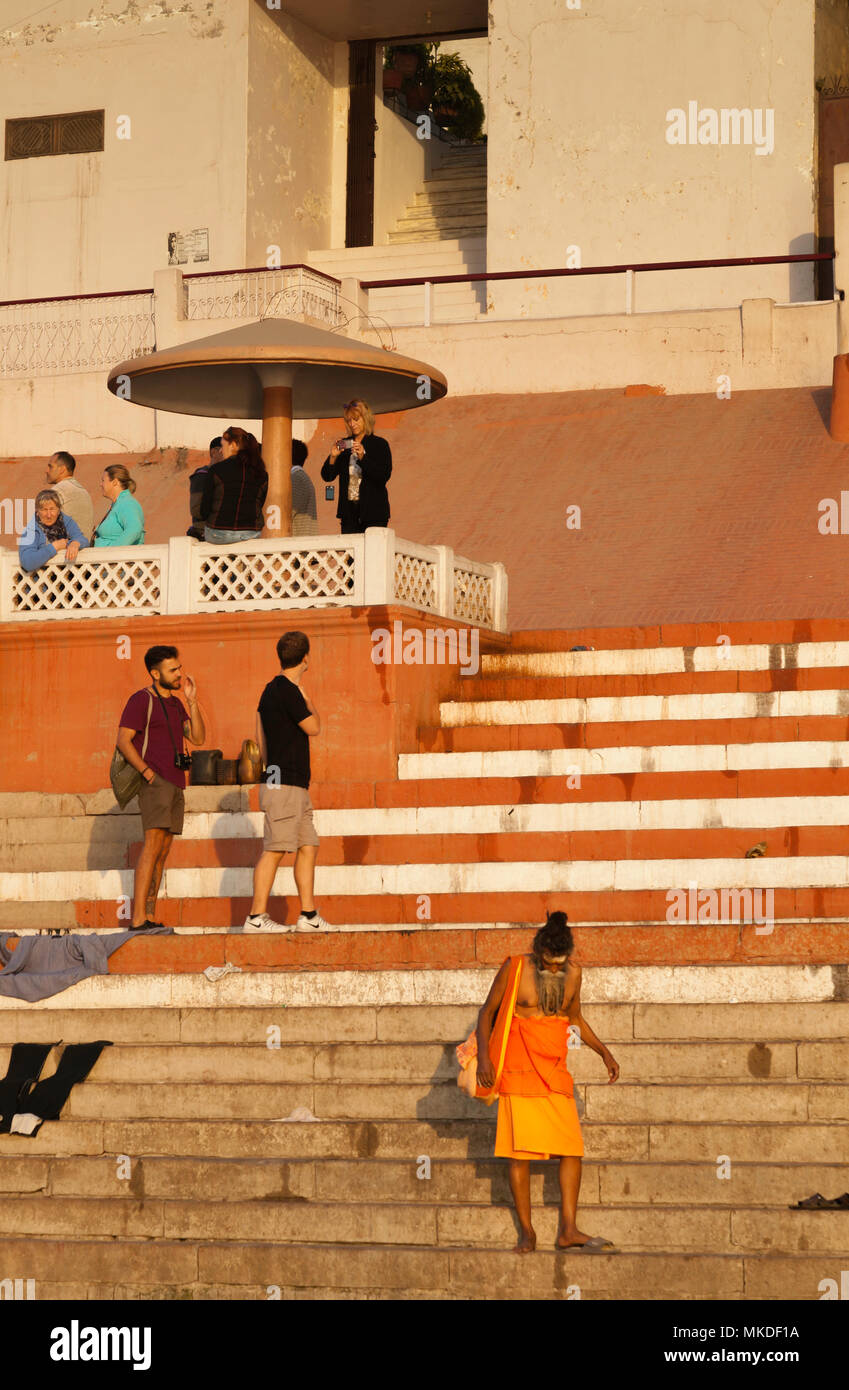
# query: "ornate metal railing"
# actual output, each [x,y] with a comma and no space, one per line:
[188,576]
[82,334]
[287,292]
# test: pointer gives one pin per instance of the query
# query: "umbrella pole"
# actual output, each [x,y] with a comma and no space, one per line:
[277,453]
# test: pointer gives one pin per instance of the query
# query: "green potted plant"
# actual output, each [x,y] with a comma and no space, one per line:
[456,102]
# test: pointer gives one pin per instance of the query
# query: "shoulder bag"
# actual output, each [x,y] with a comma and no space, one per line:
[127,780]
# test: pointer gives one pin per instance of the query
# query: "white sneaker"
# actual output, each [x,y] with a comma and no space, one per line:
[263,922]
[310,923]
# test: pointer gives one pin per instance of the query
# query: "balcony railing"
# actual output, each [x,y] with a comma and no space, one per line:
[189,576]
[629,270]
[80,333]
[289,291]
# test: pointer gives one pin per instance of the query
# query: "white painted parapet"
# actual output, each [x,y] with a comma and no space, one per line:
[188,576]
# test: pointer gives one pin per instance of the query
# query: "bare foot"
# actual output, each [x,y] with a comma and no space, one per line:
[527,1243]
[569,1236]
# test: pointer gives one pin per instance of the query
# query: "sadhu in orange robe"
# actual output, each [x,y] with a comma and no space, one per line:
[537,1116]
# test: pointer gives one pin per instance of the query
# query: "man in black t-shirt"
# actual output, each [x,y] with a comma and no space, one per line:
[286,721]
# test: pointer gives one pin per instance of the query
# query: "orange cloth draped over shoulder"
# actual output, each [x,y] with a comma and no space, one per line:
[537,1116]
[499,1036]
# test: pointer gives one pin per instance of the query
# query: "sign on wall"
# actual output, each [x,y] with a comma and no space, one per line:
[188,246]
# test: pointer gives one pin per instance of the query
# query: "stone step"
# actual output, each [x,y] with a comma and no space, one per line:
[527,686]
[372,1062]
[413,878]
[726,704]
[709,840]
[419,225]
[656,735]
[439,827]
[746,1023]
[294,1221]
[182,1269]
[780,1101]
[450,1180]
[437,204]
[668,1142]
[780,660]
[437,234]
[207,939]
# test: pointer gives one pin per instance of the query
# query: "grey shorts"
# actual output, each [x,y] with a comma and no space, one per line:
[162,805]
[288,818]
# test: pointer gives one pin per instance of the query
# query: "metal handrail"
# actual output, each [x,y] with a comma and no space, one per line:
[193,275]
[592,270]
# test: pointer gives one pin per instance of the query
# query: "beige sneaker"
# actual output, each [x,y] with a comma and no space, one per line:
[262,922]
[310,923]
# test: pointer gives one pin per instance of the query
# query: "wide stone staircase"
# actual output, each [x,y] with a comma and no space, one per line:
[293,1129]
[262,1151]
[451,202]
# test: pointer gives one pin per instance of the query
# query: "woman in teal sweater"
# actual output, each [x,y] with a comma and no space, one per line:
[123,524]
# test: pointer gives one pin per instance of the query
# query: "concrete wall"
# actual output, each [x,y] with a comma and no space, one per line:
[759,346]
[82,223]
[401,165]
[290,136]
[385,703]
[578,149]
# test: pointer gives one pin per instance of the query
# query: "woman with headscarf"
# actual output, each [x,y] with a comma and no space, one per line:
[363,464]
[50,532]
[234,490]
[123,524]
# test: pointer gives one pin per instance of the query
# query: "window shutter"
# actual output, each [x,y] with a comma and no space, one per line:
[79,132]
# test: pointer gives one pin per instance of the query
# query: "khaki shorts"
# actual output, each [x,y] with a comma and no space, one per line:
[288,818]
[162,805]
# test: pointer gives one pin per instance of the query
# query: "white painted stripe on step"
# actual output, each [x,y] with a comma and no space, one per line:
[602,709]
[549,817]
[678,757]
[635,984]
[589,876]
[648,661]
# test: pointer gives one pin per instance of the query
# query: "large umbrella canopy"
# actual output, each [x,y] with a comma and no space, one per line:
[280,370]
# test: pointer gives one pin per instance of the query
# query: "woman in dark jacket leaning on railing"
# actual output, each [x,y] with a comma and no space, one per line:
[363,465]
[234,490]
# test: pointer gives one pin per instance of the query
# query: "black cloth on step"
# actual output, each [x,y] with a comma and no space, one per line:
[24,1069]
[47,1098]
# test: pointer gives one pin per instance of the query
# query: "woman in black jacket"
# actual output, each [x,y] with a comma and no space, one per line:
[363,465]
[235,490]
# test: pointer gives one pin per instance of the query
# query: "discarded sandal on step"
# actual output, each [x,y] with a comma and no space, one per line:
[841,1203]
[596,1245]
[815,1203]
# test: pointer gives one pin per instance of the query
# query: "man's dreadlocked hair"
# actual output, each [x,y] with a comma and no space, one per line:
[554,939]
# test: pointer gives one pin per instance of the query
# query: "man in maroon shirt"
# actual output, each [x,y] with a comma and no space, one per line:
[153,725]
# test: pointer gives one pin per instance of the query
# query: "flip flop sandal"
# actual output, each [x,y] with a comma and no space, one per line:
[596,1245]
[815,1203]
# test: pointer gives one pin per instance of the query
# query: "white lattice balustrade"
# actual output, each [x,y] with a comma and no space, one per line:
[415,579]
[289,292]
[265,578]
[74,335]
[189,576]
[473,594]
[131,584]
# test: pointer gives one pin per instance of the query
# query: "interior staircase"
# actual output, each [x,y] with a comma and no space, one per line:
[294,1130]
[451,202]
